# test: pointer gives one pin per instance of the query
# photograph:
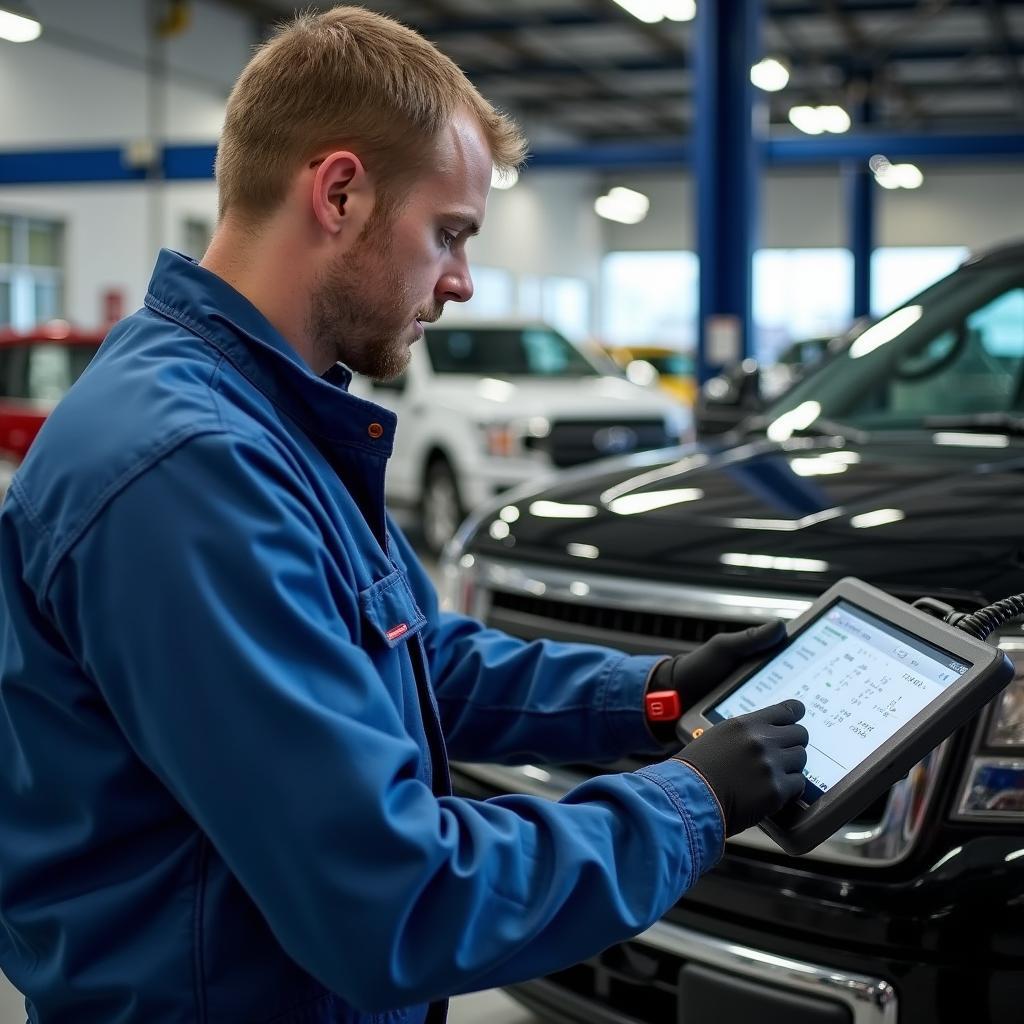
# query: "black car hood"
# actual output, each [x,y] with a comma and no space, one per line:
[911,516]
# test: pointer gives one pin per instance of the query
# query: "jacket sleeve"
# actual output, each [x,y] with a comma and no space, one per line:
[505,700]
[202,604]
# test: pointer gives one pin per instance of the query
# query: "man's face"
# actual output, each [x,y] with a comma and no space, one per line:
[368,306]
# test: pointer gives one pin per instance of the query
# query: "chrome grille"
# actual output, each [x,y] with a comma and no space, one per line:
[572,442]
[688,630]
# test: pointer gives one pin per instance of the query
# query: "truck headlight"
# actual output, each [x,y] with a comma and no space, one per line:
[504,440]
[510,440]
[1006,725]
[993,788]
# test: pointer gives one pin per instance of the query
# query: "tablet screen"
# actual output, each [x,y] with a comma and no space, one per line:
[860,678]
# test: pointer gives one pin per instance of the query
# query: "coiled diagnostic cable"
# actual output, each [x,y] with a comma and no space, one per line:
[980,624]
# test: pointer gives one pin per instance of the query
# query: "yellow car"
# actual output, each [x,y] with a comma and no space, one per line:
[673,371]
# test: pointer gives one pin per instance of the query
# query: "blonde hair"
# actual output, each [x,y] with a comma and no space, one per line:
[345,78]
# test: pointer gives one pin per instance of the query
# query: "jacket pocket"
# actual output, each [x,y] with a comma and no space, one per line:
[390,608]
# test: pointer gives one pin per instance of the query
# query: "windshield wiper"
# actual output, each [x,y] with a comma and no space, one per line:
[996,422]
[831,428]
[819,428]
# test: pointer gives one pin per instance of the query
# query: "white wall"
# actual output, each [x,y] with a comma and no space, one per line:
[972,205]
[976,205]
[84,83]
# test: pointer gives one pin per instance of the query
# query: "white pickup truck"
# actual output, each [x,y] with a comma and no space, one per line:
[485,406]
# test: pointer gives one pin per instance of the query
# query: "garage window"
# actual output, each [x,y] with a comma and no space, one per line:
[649,298]
[799,294]
[31,271]
[899,272]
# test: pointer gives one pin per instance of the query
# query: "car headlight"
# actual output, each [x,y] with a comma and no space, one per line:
[1006,725]
[509,440]
[993,787]
[503,440]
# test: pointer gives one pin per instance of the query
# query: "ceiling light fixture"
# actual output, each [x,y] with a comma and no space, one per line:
[816,120]
[18,23]
[679,10]
[651,11]
[890,175]
[622,205]
[770,74]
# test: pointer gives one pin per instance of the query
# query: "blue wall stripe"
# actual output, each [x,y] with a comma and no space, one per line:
[195,162]
[182,163]
[66,166]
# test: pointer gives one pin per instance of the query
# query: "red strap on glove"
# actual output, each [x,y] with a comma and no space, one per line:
[663,706]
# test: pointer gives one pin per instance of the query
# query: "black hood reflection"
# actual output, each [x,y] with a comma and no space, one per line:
[910,516]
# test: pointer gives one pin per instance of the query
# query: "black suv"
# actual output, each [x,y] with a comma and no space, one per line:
[900,460]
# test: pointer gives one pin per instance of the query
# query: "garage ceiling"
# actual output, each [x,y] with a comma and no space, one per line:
[581,71]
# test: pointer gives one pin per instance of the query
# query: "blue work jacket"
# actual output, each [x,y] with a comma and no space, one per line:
[226,696]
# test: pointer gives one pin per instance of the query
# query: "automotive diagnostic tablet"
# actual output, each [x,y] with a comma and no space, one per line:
[882,682]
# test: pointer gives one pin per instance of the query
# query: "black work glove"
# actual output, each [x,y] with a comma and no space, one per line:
[696,674]
[753,763]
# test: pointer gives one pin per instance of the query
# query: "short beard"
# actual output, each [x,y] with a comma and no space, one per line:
[361,309]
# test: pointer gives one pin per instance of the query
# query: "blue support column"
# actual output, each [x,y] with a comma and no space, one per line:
[727,168]
[859,185]
[860,211]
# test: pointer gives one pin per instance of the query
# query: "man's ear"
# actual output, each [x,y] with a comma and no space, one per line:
[342,194]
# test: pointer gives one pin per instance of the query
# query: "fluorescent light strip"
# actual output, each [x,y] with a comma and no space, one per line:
[780,562]
[558,510]
[16,29]
[966,440]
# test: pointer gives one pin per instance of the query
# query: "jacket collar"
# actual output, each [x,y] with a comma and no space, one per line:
[208,306]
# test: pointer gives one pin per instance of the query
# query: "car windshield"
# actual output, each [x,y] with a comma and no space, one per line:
[953,355]
[506,352]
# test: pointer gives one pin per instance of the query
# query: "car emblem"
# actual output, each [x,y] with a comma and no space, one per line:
[611,440]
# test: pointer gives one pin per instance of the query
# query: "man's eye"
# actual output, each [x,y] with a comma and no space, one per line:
[447,239]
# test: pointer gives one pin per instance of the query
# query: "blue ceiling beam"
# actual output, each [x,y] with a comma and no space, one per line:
[573,18]
[562,68]
[575,68]
[195,162]
[813,149]
[813,9]
[789,152]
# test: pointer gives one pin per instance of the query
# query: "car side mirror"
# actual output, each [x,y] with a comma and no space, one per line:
[728,399]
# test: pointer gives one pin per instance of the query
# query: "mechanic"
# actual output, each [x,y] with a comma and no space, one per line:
[227,693]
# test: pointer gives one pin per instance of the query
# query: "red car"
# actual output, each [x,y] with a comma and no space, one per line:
[36,368]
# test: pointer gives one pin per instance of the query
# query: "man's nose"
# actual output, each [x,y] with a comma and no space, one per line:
[455,286]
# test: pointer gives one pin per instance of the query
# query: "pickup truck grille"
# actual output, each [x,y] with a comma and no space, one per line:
[629,615]
[622,625]
[572,442]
